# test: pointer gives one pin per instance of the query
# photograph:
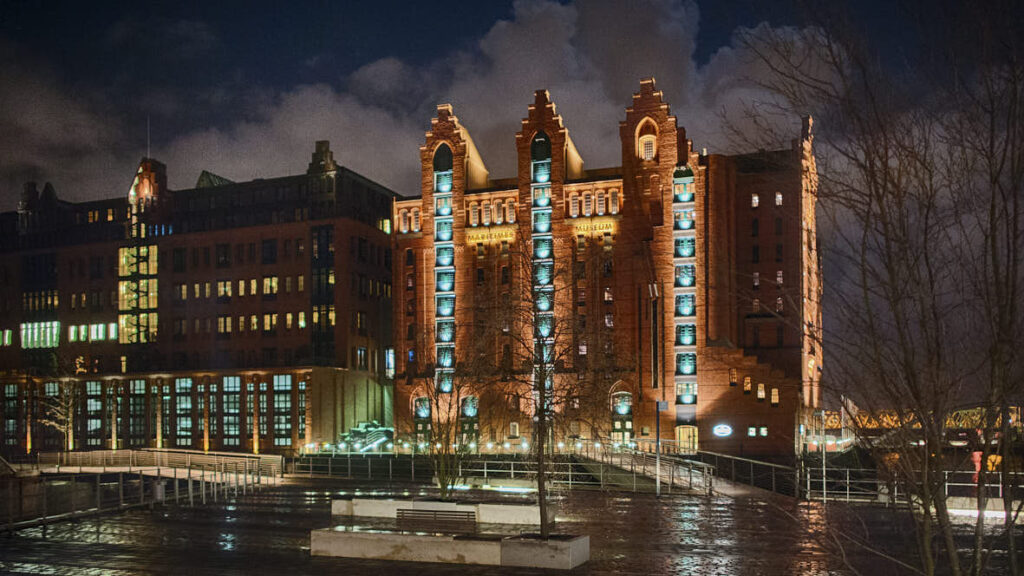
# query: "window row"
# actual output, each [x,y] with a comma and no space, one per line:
[755,200]
[491,212]
[225,288]
[589,204]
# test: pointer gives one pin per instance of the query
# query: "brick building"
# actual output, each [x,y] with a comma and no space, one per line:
[239,316]
[679,277]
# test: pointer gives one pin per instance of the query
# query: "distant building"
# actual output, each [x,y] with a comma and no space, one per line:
[203,318]
[679,277]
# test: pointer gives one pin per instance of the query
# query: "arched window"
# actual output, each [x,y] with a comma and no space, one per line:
[474,214]
[510,211]
[540,154]
[588,203]
[647,140]
[574,205]
[614,197]
[540,148]
[499,212]
[403,221]
[485,211]
[600,202]
[415,219]
[443,158]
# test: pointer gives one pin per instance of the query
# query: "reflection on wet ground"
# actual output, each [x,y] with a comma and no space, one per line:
[269,533]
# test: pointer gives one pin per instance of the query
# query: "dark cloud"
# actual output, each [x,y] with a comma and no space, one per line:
[590,56]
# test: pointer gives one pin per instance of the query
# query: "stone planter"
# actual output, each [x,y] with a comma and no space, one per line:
[560,552]
[485,513]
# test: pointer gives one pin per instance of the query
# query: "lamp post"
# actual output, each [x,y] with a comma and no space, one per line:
[657,446]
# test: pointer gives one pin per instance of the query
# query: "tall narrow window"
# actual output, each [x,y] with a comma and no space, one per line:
[587,204]
[754,227]
[485,210]
[755,200]
[474,214]
[415,219]
[499,212]
[574,205]
[757,280]
[510,211]
[600,202]
[614,201]
[778,198]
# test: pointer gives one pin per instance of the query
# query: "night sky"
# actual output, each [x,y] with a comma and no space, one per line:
[243,89]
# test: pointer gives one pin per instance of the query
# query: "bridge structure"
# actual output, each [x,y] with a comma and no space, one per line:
[59,486]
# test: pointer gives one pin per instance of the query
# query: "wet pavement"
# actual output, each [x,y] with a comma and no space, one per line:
[268,533]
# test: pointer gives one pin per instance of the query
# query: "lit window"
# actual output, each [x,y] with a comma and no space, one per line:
[485,213]
[647,147]
[757,280]
[403,221]
[755,200]
[510,212]
[587,204]
[73,333]
[499,212]
[600,202]
[614,197]
[760,391]
[752,431]
[608,294]
[415,219]
[778,304]
[302,320]
[609,320]
[778,277]
[778,198]
[574,205]
[775,396]
[474,214]
[764,430]
[755,306]
[746,384]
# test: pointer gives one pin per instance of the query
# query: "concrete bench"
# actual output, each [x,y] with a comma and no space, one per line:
[443,521]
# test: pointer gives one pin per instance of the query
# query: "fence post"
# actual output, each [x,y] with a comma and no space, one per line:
[10,503]
[485,469]
[310,466]
[513,469]
[120,490]
[413,460]
[369,468]
[99,502]
[202,483]
[389,468]
[349,465]
[177,488]
[330,462]
[142,487]
[847,484]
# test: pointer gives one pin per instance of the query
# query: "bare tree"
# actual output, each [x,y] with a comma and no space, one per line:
[60,410]
[921,171]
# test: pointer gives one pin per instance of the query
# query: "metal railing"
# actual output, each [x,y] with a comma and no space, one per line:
[776,478]
[862,485]
[32,500]
[620,469]
[260,465]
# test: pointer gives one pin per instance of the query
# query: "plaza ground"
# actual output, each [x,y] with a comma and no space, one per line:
[268,533]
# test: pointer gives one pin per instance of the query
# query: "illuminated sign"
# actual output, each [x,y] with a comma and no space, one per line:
[491,234]
[596,225]
[722,430]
